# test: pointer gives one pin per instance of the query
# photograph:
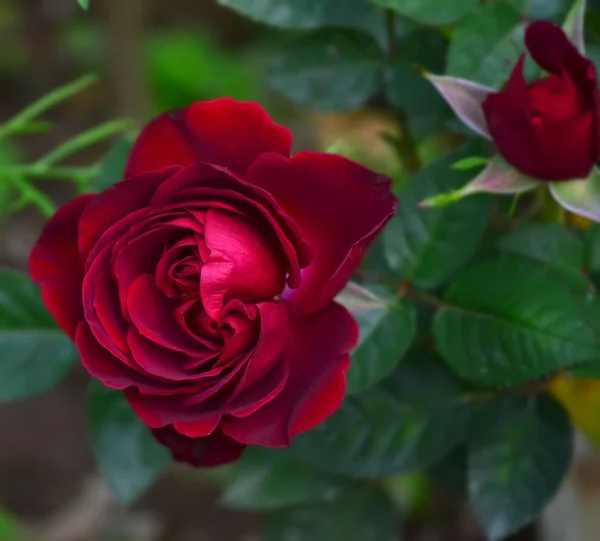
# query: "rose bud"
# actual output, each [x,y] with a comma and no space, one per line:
[203,284]
[548,129]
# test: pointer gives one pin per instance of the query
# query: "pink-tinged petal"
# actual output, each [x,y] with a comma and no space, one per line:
[209,186]
[115,204]
[106,368]
[339,205]
[214,450]
[223,132]
[244,262]
[54,264]
[317,357]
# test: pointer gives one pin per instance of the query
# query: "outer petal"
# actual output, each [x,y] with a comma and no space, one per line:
[223,132]
[115,204]
[55,265]
[552,50]
[339,205]
[549,152]
[318,358]
[213,450]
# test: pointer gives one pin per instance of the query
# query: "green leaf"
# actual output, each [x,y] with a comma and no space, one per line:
[546,242]
[517,457]
[9,528]
[126,452]
[450,473]
[265,479]
[405,86]
[427,246]
[112,166]
[304,14]
[430,12]
[36,354]
[85,4]
[332,70]
[386,333]
[540,9]
[365,514]
[592,248]
[487,45]
[430,417]
[509,320]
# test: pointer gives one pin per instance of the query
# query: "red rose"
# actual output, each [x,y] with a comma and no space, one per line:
[548,129]
[203,284]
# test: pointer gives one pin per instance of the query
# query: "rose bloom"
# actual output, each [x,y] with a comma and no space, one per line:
[203,283]
[548,129]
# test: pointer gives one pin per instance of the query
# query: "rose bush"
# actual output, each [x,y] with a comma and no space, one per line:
[203,283]
[549,128]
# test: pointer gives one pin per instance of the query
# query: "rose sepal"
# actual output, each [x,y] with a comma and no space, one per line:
[498,177]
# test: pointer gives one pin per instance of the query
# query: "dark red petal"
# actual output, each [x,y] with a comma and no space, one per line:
[223,132]
[551,49]
[115,204]
[339,205]
[214,450]
[551,152]
[54,264]
[104,366]
[244,262]
[153,313]
[274,336]
[517,85]
[317,357]
[190,406]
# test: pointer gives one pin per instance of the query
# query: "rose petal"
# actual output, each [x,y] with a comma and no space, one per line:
[153,313]
[105,367]
[244,262]
[552,50]
[216,188]
[54,264]
[317,357]
[224,132]
[118,202]
[549,152]
[340,207]
[214,450]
